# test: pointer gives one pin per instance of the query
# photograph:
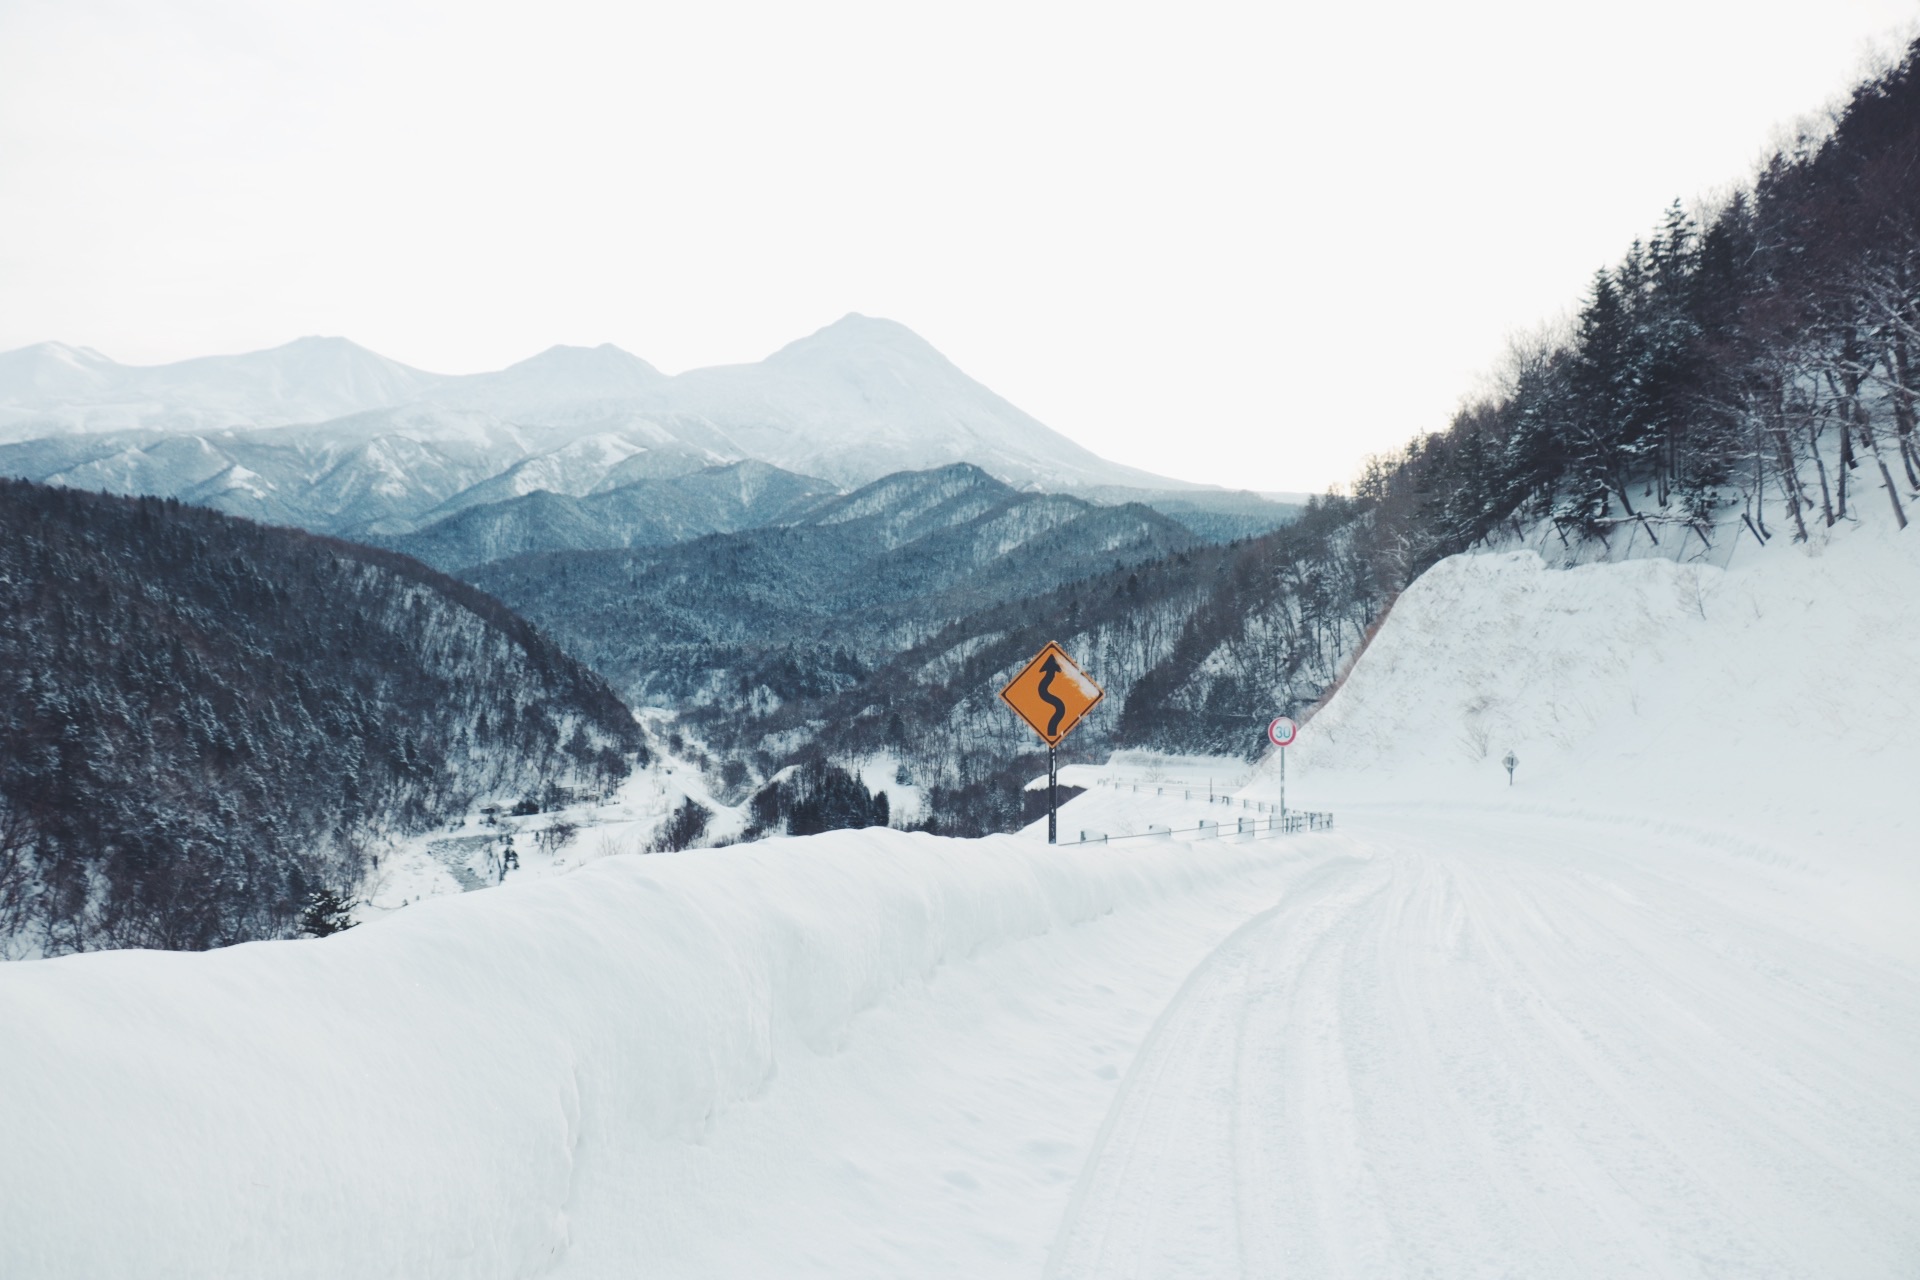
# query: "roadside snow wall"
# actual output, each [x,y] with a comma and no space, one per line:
[418,1097]
[1773,704]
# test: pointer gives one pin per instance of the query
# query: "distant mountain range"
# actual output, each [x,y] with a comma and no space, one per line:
[759,617]
[329,436]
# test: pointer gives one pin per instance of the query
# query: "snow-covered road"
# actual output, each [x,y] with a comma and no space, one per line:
[1496,1044]
[1438,1041]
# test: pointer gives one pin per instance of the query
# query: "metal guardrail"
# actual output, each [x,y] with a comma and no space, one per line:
[1278,821]
[1292,822]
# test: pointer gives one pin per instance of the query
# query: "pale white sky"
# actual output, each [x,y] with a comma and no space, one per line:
[1241,243]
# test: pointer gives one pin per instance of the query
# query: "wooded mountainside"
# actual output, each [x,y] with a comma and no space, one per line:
[656,511]
[735,626]
[1765,356]
[201,718]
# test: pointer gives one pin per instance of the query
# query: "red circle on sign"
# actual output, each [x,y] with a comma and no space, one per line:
[1282,732]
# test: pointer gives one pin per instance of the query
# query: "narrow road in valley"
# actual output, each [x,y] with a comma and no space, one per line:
[1518,1046]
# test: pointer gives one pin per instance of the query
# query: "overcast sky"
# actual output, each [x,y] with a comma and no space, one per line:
[1237,243]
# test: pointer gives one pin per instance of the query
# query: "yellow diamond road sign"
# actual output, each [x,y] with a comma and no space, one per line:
[1052,694]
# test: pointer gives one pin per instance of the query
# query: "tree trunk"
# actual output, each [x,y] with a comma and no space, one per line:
[1902,397]
[1789,470]
[1847,464]
[1820,467]
[1873,445]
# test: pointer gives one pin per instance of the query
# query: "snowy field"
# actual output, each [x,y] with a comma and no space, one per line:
[471,853]
[1653,1009]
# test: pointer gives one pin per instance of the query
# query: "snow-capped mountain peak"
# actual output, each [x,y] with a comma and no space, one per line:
[53,370]
[859,340]
[862,398]
[558,375]
[310,379]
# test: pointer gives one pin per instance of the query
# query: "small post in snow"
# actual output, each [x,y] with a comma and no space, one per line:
[1512,761]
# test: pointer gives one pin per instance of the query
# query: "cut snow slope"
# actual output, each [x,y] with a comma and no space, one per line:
[1775,699]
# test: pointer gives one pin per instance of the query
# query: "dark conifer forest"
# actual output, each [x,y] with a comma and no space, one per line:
[203,719]
[1758,362]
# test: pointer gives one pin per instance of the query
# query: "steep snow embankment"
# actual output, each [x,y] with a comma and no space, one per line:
[861,1053]
[1774,702]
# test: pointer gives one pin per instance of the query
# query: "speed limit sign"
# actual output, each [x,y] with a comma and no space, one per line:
[1282,732]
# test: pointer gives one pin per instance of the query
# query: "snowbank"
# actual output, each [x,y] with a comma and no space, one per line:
[1773,704]
[470,1086]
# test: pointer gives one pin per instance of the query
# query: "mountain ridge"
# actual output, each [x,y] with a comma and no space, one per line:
[858,399]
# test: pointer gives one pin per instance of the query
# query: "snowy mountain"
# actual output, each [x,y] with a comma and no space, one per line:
[858,400]
[866,397]
[54,389]
[644,513]
[735,626]
[557,376]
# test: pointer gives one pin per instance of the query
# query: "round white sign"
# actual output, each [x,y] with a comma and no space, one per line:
[1282,732]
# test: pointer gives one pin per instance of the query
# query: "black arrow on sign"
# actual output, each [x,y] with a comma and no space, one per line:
[1048,670]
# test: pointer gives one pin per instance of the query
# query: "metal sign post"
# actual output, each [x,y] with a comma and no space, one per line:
[1281,734]
[1052,694]
[1053,794]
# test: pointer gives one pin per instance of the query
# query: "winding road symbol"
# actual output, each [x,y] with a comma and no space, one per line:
[1048,670]
[1052,694]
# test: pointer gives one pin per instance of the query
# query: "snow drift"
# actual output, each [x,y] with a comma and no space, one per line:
[451,1091]
[1771,701]
[1776,685]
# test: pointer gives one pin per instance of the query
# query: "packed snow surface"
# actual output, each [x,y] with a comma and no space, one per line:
[862,1053]
[1653,1008]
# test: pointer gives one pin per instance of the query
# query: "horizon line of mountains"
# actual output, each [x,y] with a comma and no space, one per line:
[324,435]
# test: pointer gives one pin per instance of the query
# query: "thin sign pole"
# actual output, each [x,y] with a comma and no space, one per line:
[1053,794]
[1282,739]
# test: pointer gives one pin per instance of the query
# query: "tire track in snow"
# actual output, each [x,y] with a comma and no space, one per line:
[1155,1197]
[1519,1047]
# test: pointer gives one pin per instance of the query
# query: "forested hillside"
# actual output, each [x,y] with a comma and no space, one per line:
[656,511]
[659,511]
[1760,361]
[734,627]
[203,719]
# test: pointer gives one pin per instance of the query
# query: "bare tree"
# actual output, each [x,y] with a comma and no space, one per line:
[18,882]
